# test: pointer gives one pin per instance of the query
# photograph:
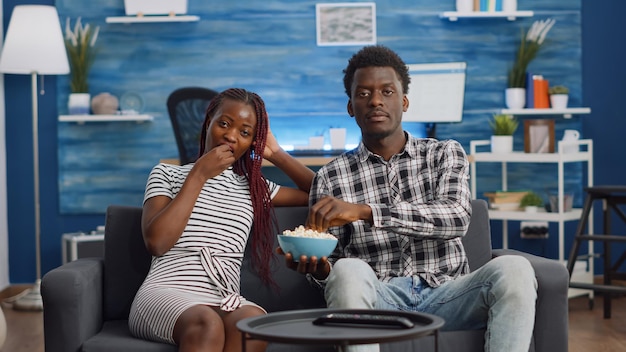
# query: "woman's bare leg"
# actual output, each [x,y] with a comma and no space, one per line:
[199,328]
[233,335]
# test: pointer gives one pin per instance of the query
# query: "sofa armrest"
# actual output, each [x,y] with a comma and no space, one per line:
[551,319]
[72,301]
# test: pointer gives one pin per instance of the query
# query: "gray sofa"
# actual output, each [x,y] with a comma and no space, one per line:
[86,302]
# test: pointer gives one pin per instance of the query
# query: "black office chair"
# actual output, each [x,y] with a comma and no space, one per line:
[187,107]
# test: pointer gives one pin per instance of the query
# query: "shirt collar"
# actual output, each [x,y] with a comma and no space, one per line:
[410,149]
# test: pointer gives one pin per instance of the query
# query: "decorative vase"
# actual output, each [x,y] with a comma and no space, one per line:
[515,98]
[104,104]
[559,101]
[509,5]
[79,103]
[501,144]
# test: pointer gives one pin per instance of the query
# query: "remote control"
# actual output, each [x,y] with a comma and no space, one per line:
[364,319]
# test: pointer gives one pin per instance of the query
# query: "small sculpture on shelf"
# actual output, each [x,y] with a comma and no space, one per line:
[105,104]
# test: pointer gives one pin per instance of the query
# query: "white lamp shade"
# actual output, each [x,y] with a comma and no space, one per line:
[34,42]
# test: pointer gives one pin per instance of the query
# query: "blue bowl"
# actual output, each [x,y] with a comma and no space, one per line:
[309,246]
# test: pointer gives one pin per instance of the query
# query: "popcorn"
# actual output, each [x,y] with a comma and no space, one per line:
[300,231]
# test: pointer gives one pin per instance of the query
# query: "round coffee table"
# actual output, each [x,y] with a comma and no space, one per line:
[297,327]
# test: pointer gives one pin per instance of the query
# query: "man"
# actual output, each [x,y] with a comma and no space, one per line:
[399,207]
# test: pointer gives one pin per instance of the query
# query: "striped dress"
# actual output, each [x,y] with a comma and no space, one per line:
[203,267]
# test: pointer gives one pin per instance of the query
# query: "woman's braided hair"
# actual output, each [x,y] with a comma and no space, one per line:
[249,165]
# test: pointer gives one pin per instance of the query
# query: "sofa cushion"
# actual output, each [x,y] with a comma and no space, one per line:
[115,336]
[477,240]
[126,260]
[293,291]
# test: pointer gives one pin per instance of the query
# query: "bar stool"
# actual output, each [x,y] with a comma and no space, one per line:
[611,197]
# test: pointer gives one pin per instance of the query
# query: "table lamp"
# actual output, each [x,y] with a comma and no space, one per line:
[34,46]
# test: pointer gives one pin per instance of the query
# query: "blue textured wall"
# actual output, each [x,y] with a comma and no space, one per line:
[270,47]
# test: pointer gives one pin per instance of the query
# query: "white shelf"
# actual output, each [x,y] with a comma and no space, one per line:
[522,157]
[521,215]
[584,154]
[81,119]
[567,113]
[511,16]
[152,19]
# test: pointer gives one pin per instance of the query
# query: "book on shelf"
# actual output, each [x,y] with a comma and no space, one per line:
[540,88]
[530,92]
[488,5]
[501,199]
[505,206]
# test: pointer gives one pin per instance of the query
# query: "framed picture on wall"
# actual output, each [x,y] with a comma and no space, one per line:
[539,136]
[350,23]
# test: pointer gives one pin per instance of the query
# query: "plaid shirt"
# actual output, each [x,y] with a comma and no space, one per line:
[420,201]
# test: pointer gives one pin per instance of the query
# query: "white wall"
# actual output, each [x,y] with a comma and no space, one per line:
[4,243]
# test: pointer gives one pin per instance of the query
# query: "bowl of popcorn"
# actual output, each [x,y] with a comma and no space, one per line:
[301,241]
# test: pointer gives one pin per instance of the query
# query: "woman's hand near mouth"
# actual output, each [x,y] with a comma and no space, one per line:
[216,160]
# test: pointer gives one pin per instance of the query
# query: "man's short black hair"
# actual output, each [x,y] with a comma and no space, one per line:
[376,56]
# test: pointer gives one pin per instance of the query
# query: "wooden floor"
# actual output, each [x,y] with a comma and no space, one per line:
[588,330]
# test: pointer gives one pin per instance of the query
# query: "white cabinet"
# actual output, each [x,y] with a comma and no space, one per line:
[583,271]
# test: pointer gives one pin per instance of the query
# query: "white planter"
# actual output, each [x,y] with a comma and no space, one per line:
[501,144]
[79,104]
[509,5]
[531,208]
[559,101]
[464,6]
[155,7]
[515,98]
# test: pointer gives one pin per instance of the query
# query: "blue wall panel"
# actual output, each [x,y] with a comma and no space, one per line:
[270,47]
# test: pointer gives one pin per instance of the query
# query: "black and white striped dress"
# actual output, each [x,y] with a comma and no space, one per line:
[203,267]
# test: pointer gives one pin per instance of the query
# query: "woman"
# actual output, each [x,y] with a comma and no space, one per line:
[196,221]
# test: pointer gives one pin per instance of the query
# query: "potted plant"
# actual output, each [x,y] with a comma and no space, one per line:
[503,127]
[80,44]
[531,202]
[530,43]
[558,97]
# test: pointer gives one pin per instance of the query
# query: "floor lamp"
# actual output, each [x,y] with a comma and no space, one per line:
[34,46]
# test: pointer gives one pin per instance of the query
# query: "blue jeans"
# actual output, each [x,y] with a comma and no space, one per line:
[499,296]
